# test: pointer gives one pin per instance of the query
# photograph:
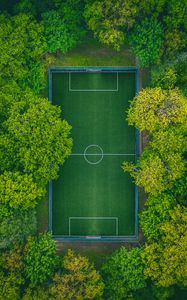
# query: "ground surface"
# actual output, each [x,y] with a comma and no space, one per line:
[93,196]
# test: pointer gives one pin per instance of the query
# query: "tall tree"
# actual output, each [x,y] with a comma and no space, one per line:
[39,268]
[146,39]
[79,280]
[109,19]
[15,225]
[123,273]
[63,27]
[156,212]
[22,44]
[155,173]
[36,137]
[154,109]
[19,191]
[166,260]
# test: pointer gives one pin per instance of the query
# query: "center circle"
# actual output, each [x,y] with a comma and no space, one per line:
[93,154]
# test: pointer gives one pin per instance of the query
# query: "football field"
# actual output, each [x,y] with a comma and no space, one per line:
[93,197]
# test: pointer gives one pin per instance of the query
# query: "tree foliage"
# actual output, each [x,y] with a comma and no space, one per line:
[79,280]
[154,109]
[164,76]
[108,20]
[123,273]
[19,191]
[40,258]
[175,24]
[21,40]
[154,173]
[36,139]
[63,27]
[157,211]
[10,285]
[166,260]
[146,39]
[15,225]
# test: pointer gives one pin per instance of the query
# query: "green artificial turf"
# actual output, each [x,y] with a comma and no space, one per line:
[93,196]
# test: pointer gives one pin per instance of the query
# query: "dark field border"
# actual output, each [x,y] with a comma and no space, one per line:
[129,238]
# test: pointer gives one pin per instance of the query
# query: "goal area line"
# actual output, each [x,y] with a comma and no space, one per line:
[94,90]
[104,154]
[95,218]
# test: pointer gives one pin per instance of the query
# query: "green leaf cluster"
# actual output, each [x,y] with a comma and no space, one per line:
[108,19]
[19,190]
[21,42]
[40,258]
[15,225]
[63,27]
[79,280]
[123,273]
[165,262]
[157,211]
[146,39]
[154,109]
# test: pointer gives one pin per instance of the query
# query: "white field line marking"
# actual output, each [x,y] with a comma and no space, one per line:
[104,154]
[93,90]
[93,218]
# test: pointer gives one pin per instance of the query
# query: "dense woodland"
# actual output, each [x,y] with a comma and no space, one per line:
[35,140]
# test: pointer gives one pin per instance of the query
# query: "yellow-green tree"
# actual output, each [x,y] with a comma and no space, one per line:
[79,280]
[155,109]
[166,260]
[19,190]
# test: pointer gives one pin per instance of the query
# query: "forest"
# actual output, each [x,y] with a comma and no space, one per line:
[35,140]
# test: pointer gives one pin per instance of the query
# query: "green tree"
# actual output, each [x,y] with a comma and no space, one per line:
[38,293]
[157,211]
[40,258]
[12,260]
[19,191]
[10,285]
[79,280]
[156,174]
[21,40]
[154,109]
[175,23]
[63,27]
[146,39]
[123,273]
[108,19]
[164,76]
[166,260]
[37,136]
[15,225]
[171,141]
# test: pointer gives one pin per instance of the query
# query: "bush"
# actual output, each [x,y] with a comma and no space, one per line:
[19,191]
[146,40]
[40,258]
[123,273]
[63,28]
[164,76]
[79,280]
[156,212]
[16,225]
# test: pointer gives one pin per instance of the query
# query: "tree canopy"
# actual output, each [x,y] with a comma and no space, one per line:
[146,39]
[40,258]
[79,280]
[123,273]
[155,109]
[63,27]
[36,139]
[166,260]
[22,42]
[16,225]
[19,191]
